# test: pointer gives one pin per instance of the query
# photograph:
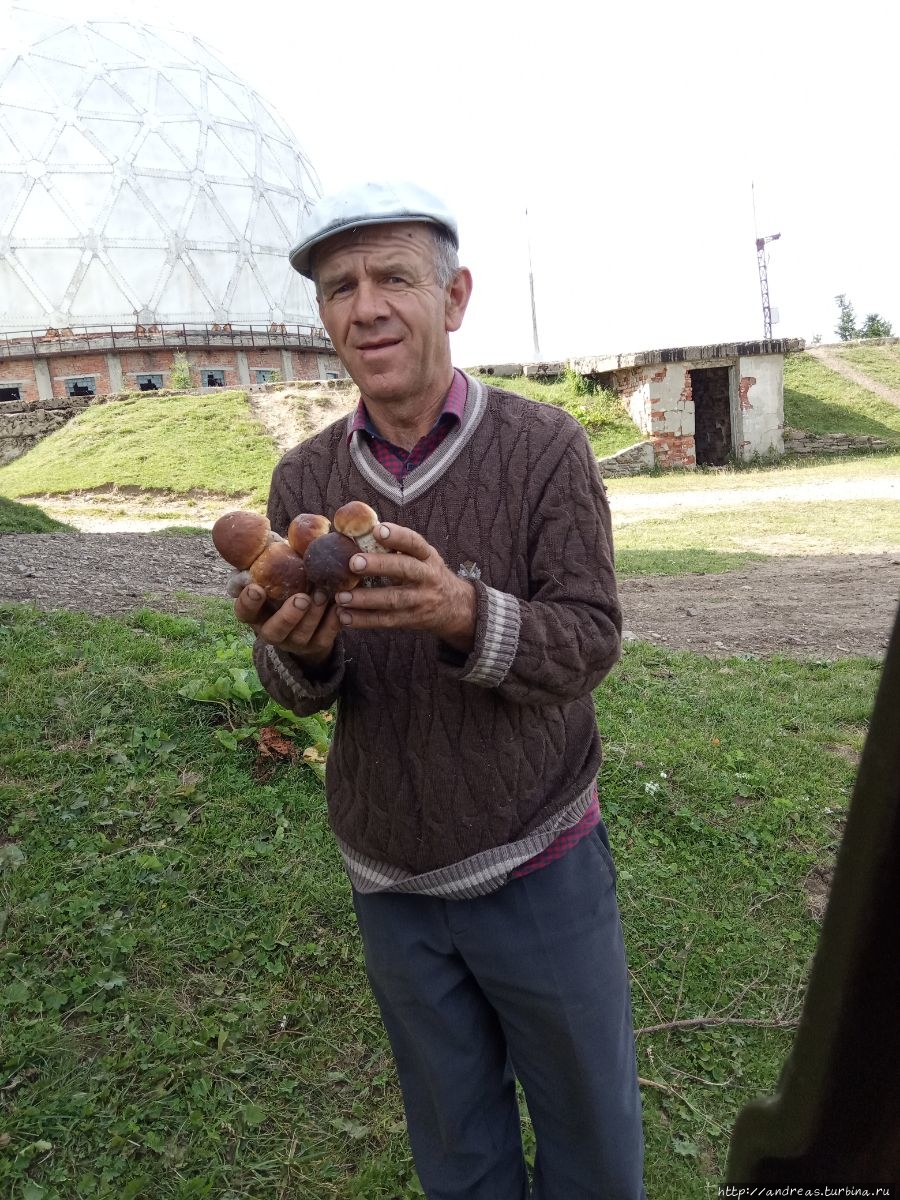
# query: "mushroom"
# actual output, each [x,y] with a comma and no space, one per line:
[357,520]
[327,561]
[248,542]
[305,528]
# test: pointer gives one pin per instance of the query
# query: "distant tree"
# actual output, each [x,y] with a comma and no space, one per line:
[846,326]
[875,326]
[817,339]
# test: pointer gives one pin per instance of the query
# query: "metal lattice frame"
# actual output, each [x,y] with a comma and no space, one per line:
[141,181]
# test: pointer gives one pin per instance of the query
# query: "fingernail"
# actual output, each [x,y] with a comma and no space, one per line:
[301,602]
[344,618]
[319,598]
[384,532]
[344,597]
[358,562]
[256,593]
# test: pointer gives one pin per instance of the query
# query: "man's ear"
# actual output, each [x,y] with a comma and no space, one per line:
[457,299]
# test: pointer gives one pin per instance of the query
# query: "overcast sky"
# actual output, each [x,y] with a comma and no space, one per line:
[631,133]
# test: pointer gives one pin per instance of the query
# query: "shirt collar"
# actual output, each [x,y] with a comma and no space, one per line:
[453,408]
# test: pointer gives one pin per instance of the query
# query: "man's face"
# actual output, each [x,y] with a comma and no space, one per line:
[384,311]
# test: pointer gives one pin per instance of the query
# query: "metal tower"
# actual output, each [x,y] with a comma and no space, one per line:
[764,281]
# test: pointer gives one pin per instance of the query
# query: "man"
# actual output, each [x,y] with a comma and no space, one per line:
[462,775]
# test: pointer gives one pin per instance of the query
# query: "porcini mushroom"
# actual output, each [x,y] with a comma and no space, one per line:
[305,528]
[248,542]
[357,520]
[327,561]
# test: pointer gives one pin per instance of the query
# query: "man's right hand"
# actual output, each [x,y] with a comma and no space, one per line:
[305,626]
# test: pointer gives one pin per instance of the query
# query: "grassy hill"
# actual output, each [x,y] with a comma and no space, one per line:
[177,445]
[819,400]
[608,426]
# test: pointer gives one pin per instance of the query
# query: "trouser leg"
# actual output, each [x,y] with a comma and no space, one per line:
[547,951]
[452,1061]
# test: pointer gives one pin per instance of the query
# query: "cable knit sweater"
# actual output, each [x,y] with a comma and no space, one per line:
[440,758]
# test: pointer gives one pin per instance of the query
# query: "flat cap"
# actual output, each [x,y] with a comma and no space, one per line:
[368,204]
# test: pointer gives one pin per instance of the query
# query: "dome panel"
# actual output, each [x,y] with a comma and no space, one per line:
[152,193]
[183,295]
[18,304]
[102,98]
[42,218]
[154,154]
[92,294]
[206,223]
[130,219]
[63,78]
[236,202]
[73,149]
[116,137]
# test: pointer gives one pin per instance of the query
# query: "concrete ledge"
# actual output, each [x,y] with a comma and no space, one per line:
[603,364]
[633,460]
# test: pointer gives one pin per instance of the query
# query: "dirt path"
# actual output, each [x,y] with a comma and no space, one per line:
[819,607]
[288,422]
[641,504]
[836,363]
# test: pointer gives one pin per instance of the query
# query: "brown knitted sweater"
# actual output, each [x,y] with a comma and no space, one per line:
[437,756]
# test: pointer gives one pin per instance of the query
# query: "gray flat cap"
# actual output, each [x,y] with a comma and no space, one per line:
[368,204]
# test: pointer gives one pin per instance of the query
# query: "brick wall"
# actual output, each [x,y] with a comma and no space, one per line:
[19,373]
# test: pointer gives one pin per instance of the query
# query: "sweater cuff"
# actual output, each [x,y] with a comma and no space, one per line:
[497,625]
[288,669]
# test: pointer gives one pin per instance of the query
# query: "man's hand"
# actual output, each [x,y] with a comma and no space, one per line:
[305,626]
[420,592]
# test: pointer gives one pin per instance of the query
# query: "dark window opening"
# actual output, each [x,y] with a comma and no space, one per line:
[266,375]
[332,375]
[711,393]
[9,394]
[85,386]
[214,378]
[149,383]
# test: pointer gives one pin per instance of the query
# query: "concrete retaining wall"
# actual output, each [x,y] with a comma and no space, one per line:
[634,460]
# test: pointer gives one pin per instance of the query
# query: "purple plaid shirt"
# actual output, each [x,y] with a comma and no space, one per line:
[400,462]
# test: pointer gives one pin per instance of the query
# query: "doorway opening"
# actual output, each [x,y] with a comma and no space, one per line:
[711,393]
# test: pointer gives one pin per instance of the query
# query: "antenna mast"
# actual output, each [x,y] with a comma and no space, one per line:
[762,263]
[534,329]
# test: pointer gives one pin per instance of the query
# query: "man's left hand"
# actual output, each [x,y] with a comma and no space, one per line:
[420,591]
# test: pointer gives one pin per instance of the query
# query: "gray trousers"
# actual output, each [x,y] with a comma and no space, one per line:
[528,982]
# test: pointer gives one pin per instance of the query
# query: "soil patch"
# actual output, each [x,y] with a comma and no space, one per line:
[822,607]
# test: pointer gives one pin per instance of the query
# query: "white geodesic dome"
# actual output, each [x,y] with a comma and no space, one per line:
[140,181]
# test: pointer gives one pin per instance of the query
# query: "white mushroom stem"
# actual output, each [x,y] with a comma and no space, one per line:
[236,583]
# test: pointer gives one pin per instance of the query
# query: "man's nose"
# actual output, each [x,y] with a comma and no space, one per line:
[369,303]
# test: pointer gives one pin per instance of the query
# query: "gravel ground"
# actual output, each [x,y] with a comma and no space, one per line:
[818,606]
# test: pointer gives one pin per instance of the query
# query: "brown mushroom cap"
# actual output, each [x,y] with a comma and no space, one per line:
[240,537]
[280,572]
[327,562]
[305,528]
[355,519]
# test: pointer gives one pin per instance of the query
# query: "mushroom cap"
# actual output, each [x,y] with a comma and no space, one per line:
[355,519]
[327,562]
[280,572]
[240,537]
[305,528]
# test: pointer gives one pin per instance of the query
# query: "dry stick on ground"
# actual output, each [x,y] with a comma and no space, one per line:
[696,1022]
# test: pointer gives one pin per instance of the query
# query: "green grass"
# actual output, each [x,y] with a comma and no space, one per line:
[878,362]
[172,444]
[818,400]
[185,1010]
[608,426]
[27,518]
[823,527]
[634,560]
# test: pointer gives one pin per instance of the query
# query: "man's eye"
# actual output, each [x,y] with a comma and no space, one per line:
[396,279]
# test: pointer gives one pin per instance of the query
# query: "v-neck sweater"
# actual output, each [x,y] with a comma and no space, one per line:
[447,771]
